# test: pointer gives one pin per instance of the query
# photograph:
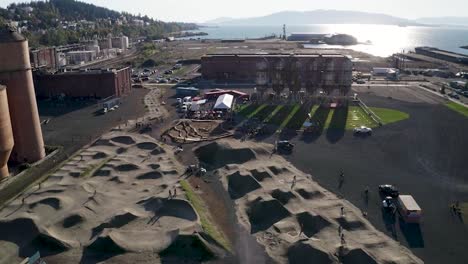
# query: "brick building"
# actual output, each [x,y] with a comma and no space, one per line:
[327,72]
[98,83]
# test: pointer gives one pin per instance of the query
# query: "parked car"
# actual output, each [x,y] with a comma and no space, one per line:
[360,81]
[388,190]
[362,130]
[284,145]
[179,100]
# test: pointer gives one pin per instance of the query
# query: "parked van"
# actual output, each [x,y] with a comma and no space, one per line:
[409,209]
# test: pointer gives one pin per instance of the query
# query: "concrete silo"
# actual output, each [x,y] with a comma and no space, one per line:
[15,73]
[6,133]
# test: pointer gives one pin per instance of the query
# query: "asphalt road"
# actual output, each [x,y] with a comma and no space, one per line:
[425,156]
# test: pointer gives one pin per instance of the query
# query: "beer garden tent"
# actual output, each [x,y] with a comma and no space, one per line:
[224,102]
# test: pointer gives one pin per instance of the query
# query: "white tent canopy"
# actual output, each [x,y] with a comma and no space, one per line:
[224,102]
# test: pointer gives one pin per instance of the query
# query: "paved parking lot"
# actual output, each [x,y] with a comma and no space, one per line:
[425,156]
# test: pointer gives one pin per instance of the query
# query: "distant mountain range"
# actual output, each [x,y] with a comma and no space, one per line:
[334,17]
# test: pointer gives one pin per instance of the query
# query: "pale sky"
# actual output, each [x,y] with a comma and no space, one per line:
[203,10]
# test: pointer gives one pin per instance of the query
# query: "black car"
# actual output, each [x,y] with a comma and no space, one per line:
[284,145]
[388,190]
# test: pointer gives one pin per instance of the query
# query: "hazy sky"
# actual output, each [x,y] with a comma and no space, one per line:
[202,10]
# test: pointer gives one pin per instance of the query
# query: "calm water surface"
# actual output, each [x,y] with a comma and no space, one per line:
[385,40]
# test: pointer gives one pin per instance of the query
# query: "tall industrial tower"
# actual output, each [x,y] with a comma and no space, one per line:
[15,74]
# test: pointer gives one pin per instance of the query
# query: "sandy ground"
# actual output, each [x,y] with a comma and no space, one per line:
[117,200]
[122,206]
[295,222]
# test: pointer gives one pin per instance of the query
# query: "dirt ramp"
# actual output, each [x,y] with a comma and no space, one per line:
[152,175]
[126,140]
[217,155]
[103,142]
[302,252]
[116,221]
[99,155]
[263,214]
[350,224]
[170,207]
[127,167]
[309,195]
[72,220]
[187,249]
[158,151]
[357,256]
[106,244]
[311,224]
[46,241]
[147,145]
[283,196]
[239,185]
[260,175]
[9,230]
[53,202]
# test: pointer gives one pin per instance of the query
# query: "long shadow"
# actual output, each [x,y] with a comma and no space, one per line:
[57,108]
[337,127]
[318,120]
[412,233]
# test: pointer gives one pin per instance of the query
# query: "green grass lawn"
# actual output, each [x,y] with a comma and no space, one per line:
[389,115]
[458,107]
[357,117]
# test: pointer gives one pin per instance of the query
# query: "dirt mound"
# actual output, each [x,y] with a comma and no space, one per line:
[282,197]
[102,173]
[170,172]
[350,224]
[187,249]
[217,154]
[106,244]
[116,179]
[147,145]
[103,142]
[127,167]
[301,252]
[277,170]
[99,155]
[150,176]
[75,174]
[49,242]
[174,207]
[121,150]
[52,202]
[239,185]
[72,220]
[158,151]
[9,230]
[311,224]
[154,166]
[123,140]
[263,214]
[116,221]
[357,256]
[260,175]
[309,195]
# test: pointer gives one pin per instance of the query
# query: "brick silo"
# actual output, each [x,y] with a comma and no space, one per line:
[6,134]
[15,73]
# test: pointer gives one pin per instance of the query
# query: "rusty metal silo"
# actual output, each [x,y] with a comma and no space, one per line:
[15,73]
[6,133]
